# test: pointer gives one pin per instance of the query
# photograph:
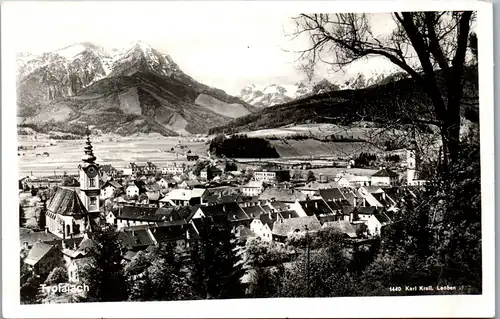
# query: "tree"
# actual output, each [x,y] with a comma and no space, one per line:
[143,198]
[56,276]
[310,176]
[429,46]
[105,272]
[216,270]
[22,216]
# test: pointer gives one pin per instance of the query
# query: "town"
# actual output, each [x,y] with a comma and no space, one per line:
[152,206]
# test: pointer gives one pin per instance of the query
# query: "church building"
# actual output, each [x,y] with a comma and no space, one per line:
[73,211]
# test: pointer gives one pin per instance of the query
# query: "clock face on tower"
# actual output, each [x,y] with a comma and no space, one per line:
[91,172]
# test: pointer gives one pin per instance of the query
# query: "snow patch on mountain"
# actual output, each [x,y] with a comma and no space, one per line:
[264,96]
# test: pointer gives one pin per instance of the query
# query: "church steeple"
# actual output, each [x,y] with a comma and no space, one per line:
[89,153]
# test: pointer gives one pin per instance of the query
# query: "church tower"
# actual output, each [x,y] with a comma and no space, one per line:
[89,179]
[411,163]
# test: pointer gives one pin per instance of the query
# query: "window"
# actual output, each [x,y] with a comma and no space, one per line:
[92,182]
[93,201]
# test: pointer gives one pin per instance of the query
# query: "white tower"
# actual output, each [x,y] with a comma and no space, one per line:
[89,179]
[411,163]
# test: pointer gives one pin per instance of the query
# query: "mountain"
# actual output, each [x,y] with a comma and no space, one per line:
[135,90]
[272,94]
[396,98]
[275,94]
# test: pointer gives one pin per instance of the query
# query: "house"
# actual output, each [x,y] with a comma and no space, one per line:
[320,209]
[173,169]
[221,199]
[150,168]
[283,228]
[349,180]
[28,237]
[375,223]
[285,195]
[183,197]
[364,213]
[244,233]
[210,172]
[342,226]
[137,215]
[368,198]
[153,197]
[108,189]
[42,258]
[178,234]
[252,188]
[108,172]
[134,169]
[254,211]
[136,238]
[312,188]
[165,183]
[230,212]
[331,194]
[75,249]
[111,217]
[66,214]
[272,176]
[385,177]
[263,225]
[135,188]
[247,201]
[190,184]
[76,267]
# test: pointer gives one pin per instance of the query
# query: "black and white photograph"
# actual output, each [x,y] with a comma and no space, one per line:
[199,153]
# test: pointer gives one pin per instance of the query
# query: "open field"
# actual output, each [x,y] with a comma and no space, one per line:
[66,155]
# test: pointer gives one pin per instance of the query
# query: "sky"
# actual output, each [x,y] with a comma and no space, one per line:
[227,51]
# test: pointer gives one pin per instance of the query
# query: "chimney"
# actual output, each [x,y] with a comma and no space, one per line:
[355,201]
[63,244]
[74,246]
[351,217]
[224,208]
[25,244]
[316,205]
[46,229]
[234,216]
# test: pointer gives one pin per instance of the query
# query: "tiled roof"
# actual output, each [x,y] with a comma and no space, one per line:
[382,218]
[66,201]
[367,210]
[83,262]
[287,226]
[129,255]
[37,252]
[331,194]
[315,185]
[182,213]
[254,211]
[154,196]
[289,214]
[284,195]
[343,226]
[184,194]
[385,173]
[279,206]
[168,233]
[232,210]
[135,238]
[316,207]
[373,189]
[140,213]
[32,237]
[270,218]
[216,199]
